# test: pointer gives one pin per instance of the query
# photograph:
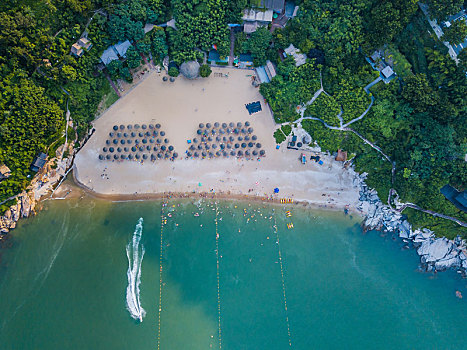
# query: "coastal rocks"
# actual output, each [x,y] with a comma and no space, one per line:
[23,208]
[435,253]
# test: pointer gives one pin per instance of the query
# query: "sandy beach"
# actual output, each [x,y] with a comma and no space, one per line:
[179,107]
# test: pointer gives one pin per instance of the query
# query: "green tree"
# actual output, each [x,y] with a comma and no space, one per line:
[205,71]
[419,93]
[440,9]
[133,58]
[174,72]
[258,44]
[456,33]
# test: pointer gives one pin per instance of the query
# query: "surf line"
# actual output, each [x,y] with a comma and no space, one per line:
[276,231]
[161,255]
[218,280]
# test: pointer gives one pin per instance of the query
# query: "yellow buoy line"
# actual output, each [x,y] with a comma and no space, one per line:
[276,231]
[163,222]
[218,280]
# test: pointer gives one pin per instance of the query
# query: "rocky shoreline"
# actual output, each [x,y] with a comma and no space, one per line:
[436,254]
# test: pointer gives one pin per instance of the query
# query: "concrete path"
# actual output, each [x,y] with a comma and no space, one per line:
[232,47]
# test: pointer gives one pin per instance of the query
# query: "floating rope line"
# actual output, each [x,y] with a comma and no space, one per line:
[163,222]
[218,280]
[282,277]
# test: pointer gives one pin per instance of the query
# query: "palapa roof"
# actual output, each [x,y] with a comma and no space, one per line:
[4,171]
[341,155]
[190,70]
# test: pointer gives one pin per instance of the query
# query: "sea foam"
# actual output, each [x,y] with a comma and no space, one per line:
[135,253]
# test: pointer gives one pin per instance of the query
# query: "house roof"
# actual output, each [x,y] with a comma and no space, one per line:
[250,15]
[341,155]
[262,75]
[276,5]
[459,199]
[122,47]
[39,161]
[250,27]
[109,55]
[76,49]
[300,58]
[4,171]
[270,70]
[387,72]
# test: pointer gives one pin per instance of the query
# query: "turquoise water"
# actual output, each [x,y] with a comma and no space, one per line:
[63,282]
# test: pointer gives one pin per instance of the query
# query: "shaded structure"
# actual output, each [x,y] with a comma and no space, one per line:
[39,162]
[459,199]
[190,70]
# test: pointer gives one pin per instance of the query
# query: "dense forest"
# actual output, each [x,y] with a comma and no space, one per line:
[418,119]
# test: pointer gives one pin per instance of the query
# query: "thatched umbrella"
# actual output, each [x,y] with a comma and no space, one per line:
[229,130]
[250,144]
[232,153]
[130,156]
[128,142]
[108,157]
[152,140]
[119,134]
[247,123]
[153,157]
[144,126]
[104,149]
[243,145]
[119,149]
[171,148]
[207,146]
[133,134]
[111,134]
[155,148]
[166,155]
[192,148]
[224,125]
[200,146]
[262,152]
[239,125]
[214,131]
[141,148]
[255,152]
[133,149]
[247,152]
[148,148]
[208,125]
[218,138]
[210,155]
[218,154]
[115,127]
[162,133]
[229,146]
[237,145]
[240,153]
[147,133]
[216,124]
[236,131]
[122,127]
[116,156]
[129,126]
[159,155]
[151,126]
[214,146]
[165,78]
[195,140]
[166,140]
[254,137]
[145,156]
[199,131]
[140,134]
[258,145]
[225,154]
[158,126]
[163,148]
[122,141]
[250,130]
[136,126]
[172,79]
[224,138]
[101,157]
[240,138]
[222,146]
[155,133]
[231,138]
[125,134]
[123,156]
[203,154]
[159,141]
[201,125]
[107,142]
[115,141]
[196,154]
[137,156]
[175,155]
[299,144]
[221,131]
[145,141]
[125,149]
[209,138]
[137,141]
[188,154]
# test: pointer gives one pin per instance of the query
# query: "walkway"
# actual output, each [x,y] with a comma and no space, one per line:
[232,47]
[113,85]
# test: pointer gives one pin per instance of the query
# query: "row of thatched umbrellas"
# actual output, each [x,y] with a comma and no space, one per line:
[128,141]
[224,140]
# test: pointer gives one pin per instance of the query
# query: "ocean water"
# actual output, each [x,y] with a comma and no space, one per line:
[226,275]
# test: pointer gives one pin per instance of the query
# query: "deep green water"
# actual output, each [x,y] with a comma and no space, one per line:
[63,282]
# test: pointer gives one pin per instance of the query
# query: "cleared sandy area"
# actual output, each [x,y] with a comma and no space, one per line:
[179,107]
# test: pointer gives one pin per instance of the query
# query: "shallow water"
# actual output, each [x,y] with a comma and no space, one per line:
[63,283]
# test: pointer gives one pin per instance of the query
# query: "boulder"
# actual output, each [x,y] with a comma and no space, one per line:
[434,250]
[190,70]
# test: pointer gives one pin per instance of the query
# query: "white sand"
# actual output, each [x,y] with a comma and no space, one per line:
[179,107]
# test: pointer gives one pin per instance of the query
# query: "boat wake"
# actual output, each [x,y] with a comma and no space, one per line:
[135,253]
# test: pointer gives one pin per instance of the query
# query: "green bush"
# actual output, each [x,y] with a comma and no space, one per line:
[205,71]
[279,136]
[173,72]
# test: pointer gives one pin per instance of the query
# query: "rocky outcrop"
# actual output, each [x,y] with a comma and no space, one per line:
[24,207]
[435,253]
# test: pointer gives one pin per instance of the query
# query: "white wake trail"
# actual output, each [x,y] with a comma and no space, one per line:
[135,253]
